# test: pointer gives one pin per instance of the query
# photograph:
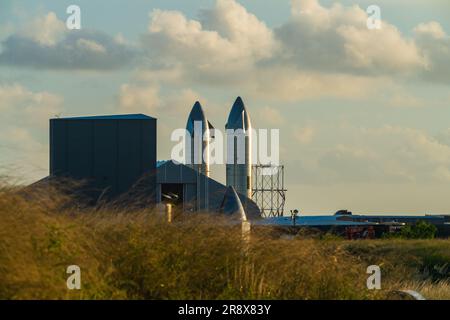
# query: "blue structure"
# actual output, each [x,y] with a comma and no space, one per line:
[355,220]
[343,219]
[110,153]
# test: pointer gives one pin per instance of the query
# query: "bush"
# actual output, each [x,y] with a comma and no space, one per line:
[421,230]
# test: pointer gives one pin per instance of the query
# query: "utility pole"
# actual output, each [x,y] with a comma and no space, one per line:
[294,214]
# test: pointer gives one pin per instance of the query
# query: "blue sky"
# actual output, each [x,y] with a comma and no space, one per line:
[363,116]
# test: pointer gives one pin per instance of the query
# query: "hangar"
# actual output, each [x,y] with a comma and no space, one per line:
[193,191]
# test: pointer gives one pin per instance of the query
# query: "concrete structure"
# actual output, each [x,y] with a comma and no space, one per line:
[239,149]
[192,191]
[110,153]
[197,156]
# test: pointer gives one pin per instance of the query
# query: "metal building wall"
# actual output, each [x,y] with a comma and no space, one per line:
[111,152]
[206,193]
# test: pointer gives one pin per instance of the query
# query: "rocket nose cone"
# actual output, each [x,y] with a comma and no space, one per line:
[239,117]
[238,105]
[196,114]
[197,106]
[197,111]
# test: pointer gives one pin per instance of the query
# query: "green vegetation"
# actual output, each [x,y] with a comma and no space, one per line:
[138,255]
[421,230]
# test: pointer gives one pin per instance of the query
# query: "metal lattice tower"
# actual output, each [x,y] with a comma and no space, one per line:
[268,189]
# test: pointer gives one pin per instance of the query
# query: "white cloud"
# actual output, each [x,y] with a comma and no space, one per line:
[386,154]
[25,107]
[320,51]
[139,99]
[147,98]
[227,42]
[242,28]
[46,30]
[170,107]
[435,45]
[289,83]
[90,45]
[180,103]
[432,28]
[337,39]
[24,130]
[47,44]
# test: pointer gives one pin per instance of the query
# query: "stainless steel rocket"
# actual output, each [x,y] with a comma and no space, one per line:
[199,128]
[239,149]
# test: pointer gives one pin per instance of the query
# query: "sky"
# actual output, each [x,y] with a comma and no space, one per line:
[363,114]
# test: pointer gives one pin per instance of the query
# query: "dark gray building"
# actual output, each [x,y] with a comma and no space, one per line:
[192,191]
[110,153]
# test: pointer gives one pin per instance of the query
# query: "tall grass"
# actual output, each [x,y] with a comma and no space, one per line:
[431,290]
[136,254]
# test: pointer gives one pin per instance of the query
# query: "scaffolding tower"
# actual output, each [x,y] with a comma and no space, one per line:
[268,189]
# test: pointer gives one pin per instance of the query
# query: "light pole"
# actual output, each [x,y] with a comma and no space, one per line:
[294,214]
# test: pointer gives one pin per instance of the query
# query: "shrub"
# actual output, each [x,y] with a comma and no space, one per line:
[420,230]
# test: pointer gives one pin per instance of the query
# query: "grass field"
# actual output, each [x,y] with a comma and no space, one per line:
[138,255]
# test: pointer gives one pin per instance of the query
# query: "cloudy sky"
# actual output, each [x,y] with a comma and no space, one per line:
[364,115]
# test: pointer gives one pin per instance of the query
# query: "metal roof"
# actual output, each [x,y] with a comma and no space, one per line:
[311,221]
[349,220]
[160,163]
[171,172]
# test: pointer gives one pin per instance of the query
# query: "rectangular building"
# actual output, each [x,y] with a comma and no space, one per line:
[110,153]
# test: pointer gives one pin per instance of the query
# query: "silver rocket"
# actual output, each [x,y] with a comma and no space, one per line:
[239,149]
[197,148]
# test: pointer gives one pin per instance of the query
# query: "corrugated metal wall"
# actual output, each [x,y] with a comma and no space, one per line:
[201,193]
[111,153]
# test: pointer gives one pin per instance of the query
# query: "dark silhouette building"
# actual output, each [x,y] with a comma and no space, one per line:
[112,155]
